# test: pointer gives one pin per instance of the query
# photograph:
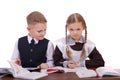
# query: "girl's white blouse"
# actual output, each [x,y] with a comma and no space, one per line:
[89,46]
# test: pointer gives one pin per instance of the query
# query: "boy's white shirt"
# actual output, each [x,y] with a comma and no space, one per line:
[49,52]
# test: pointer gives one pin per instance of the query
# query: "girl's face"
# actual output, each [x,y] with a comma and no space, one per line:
[75,30]
[37,31]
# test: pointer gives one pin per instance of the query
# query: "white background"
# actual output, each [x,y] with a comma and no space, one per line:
[102,18]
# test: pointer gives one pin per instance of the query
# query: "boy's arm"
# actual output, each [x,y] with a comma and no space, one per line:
[15,56]
[95,59]
[49,54]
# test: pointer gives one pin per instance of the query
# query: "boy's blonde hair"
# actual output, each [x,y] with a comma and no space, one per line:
[35,17]
[76,17]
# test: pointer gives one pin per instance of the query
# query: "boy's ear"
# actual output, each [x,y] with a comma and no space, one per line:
[28,28]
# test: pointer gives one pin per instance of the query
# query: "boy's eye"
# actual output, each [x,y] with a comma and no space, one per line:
[40,31]
[71,29]
[44,30]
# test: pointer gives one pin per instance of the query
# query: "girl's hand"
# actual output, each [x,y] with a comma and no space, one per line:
[71,64]
[43,66]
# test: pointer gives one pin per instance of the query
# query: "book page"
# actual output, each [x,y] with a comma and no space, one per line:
[102,71]
[19,72]
[85,73]
[4,70]
[75,69]
[17,69]
[31,75]
[56,68]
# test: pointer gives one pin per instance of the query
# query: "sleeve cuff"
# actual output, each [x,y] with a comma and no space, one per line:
[50,64]
[65,63]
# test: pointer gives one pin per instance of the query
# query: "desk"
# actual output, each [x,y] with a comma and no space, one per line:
[63,76]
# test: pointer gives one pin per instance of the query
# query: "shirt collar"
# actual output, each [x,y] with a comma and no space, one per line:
[30,38]
[72,42]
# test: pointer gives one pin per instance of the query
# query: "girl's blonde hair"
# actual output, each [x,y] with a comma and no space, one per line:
[75,17]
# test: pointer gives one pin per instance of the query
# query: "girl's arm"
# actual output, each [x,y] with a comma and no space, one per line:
[57,57]
[95,59]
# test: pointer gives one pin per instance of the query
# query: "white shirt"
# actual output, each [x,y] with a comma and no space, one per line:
[49,52]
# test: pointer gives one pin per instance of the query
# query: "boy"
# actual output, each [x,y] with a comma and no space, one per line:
[34,50]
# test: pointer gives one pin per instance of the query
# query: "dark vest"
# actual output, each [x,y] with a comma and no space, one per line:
[32,57]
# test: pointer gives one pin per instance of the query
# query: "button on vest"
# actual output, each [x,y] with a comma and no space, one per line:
[32,44]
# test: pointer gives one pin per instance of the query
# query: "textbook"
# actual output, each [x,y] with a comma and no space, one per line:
[2,75]
[99,72]
[4,72]
[19,72]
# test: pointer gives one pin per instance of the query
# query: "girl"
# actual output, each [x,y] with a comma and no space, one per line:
[75,50]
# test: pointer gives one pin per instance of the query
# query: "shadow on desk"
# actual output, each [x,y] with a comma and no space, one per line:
[64,76]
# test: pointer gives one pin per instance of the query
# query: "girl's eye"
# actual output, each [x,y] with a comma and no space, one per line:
[78,29]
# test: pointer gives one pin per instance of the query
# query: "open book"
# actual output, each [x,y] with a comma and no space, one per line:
[19,72]
[2,75]
[99,72]
[4,72]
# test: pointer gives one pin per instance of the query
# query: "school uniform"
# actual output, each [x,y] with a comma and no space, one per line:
[92,58]
[33,55]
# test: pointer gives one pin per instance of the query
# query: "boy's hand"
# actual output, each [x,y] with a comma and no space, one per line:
[43,66]
[18,61]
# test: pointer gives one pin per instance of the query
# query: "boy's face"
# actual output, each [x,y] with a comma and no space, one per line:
[37,31]
[75,30]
